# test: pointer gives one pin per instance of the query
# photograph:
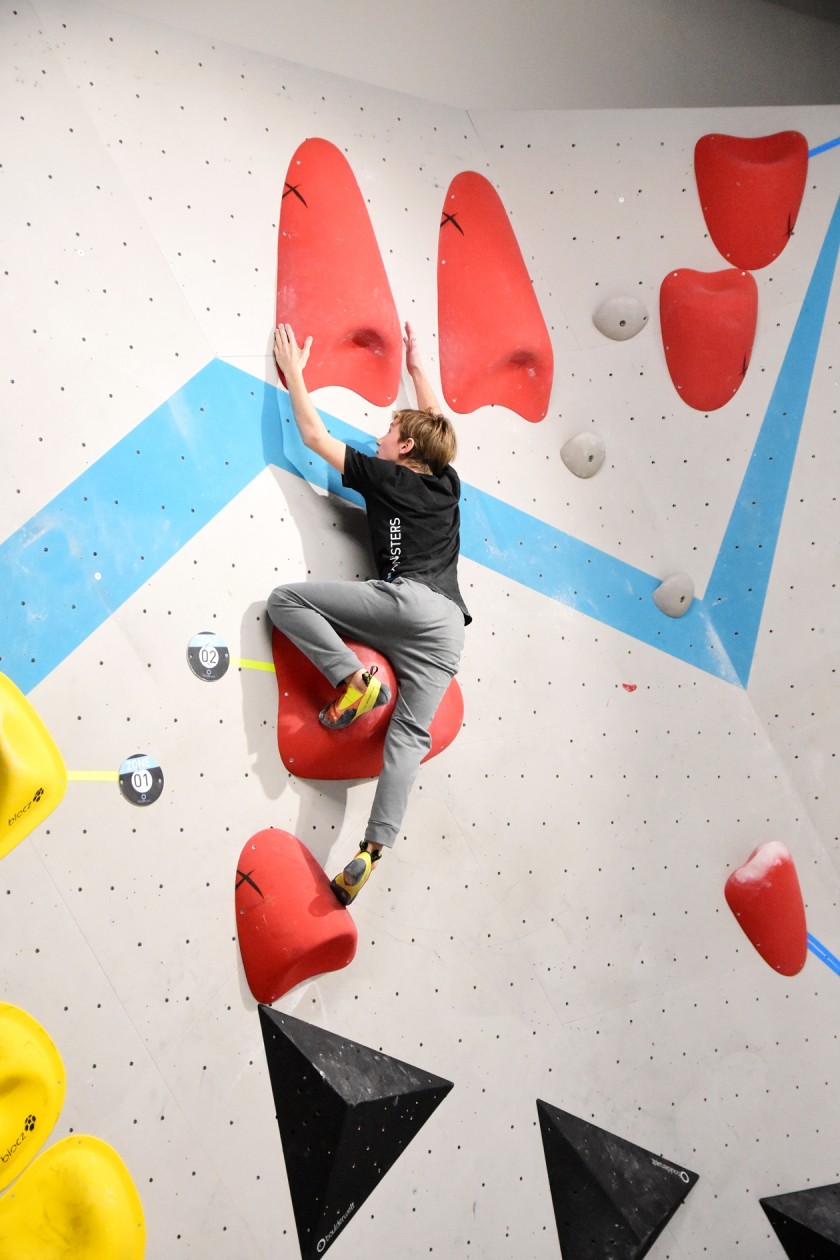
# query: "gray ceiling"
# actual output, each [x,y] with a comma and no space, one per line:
[540,54]
[829,10]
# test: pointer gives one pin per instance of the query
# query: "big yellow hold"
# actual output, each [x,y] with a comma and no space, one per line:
[76,1202]
[32,773]
[31,1089]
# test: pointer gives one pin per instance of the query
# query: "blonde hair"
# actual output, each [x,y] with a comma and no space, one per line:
[433,436]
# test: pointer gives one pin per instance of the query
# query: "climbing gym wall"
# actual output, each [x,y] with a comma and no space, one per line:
[572,972]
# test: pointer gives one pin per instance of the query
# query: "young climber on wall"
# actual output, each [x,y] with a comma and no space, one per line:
[413,612]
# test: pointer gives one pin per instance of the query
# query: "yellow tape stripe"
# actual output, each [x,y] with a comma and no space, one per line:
[268,666]
[94,776]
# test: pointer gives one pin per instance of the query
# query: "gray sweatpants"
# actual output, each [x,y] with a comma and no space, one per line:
[422,634]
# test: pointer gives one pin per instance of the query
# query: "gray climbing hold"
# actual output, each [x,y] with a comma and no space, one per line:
[584,454]
[620,318]
[674,595]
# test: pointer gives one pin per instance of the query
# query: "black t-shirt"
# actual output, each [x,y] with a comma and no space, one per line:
[414,521]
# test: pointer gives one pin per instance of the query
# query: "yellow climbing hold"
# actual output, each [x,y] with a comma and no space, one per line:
[31,1089]
[76,1202]
[32,773]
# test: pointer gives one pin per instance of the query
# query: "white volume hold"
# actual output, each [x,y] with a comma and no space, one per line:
[620,318]
[584,454]
[674,595]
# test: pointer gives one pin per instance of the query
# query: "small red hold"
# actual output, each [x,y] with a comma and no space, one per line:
[629,686]
[765,897]
[708,321]
[290,924]
[750,192]
[310,751]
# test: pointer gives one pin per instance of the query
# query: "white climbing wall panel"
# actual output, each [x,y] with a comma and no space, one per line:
[552,924]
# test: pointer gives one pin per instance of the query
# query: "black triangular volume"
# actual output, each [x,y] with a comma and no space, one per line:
[807,1222]
[611,1197]
[346,1114]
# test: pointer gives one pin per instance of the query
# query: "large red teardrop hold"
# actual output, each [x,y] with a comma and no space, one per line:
[494,343]
[708,321]
[311,751]
[289,922]
[750,192]
[765,897]
[331,281]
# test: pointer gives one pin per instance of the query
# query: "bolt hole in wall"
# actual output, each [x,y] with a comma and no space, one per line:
[557,897]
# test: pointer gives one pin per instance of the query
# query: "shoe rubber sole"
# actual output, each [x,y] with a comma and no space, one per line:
[349,883]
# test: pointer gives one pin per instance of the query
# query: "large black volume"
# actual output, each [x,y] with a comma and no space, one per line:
[807,1222]
[611,1199]
[346,1114]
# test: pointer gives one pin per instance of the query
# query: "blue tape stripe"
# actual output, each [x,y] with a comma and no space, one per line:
[111,529]
[816,947]
[564,568]
[823,148]
[147,497]
[83,555]
[738,585]
[79,558]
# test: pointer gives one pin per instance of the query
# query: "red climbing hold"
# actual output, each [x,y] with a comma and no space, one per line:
[310,751]
[290,924]
[750,191]
[708,323]
[765,897]
[494,344]
[331,281]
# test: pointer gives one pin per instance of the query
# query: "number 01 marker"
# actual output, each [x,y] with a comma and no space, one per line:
[141,779]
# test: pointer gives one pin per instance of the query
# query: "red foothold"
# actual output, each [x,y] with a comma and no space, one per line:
[310,751]
[629,686]
[289,922]
[765,897]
